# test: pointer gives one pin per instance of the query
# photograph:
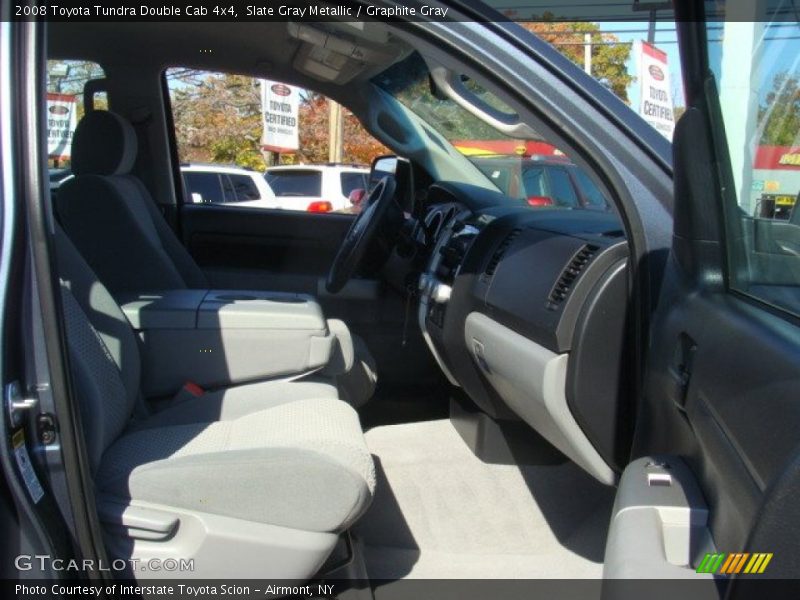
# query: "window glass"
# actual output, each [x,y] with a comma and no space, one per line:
[533,179]
[244,188]
[228,119]
[295,182]
[518,166]
[562,188]
[203,187]
[758,80]
[65,82]
[227,188]
[592,196]
[353,181]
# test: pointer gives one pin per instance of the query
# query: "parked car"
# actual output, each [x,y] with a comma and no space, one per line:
[222,184]
[543,181]
[316,188]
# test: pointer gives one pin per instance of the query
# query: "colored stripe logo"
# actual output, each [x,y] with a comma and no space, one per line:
[733,563]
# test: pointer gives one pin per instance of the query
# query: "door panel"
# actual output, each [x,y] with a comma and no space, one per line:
[723,374]
[283,248]
[736,417]
[261,249]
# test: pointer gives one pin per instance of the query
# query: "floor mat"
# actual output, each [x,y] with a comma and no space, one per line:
[440,512]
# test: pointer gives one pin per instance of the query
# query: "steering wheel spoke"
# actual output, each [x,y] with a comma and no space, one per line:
[364,230]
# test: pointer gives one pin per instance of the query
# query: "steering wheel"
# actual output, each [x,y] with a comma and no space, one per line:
[361,234]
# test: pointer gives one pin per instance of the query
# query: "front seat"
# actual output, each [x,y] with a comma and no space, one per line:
[249,482]
[111,218]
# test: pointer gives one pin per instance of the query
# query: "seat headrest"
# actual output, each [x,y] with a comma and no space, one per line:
[104,144]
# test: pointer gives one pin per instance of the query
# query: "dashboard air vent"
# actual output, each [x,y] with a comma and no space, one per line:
[568,276]
[501,250]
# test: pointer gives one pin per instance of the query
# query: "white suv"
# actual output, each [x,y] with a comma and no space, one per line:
[316,188]
[219,184]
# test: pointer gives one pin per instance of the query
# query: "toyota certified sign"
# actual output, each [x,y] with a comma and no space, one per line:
[62,118]
[280,108]
[280,89]
[655,103]
[656,72]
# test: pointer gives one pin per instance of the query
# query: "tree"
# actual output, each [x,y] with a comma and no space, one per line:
[359,146]
[779,113]
[70,76]
[609,57]
[217,118]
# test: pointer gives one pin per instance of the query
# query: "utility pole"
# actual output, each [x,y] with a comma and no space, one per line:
[652,7]
[587,53]
[335,132]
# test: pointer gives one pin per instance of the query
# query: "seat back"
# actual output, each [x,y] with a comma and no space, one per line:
[103,353]
[111,218]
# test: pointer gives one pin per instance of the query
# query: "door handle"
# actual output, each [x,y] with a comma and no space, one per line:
[681,369]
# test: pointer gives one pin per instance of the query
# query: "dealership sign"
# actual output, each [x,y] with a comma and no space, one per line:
[62,118]
[280,107]
[655,104]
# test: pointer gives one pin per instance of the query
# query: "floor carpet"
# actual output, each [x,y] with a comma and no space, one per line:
[440,512]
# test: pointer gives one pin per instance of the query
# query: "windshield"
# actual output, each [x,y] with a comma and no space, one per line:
[529,169]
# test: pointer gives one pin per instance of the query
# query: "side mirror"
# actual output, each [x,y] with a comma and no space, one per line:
[197,198]
[356,197]
[539,201]
[381,167]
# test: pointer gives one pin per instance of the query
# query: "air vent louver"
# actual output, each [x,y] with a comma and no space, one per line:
[568,276]
[498,254]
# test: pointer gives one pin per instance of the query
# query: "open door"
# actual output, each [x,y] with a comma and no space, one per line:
[713,490]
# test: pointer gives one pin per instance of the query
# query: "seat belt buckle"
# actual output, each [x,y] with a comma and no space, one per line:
[193,389]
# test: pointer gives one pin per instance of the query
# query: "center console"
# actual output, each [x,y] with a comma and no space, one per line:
[223,337]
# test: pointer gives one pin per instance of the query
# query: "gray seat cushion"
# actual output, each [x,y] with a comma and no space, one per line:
[301,464]
[231,403]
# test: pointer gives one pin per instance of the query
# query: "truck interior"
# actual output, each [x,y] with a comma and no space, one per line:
[451,383]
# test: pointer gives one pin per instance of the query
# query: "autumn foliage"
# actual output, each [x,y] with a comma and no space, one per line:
[359,146]
[218,120]
[609,57]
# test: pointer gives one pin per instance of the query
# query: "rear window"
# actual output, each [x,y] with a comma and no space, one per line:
[295,182]
[353,181]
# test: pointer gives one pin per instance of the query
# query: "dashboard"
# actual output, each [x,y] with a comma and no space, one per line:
[526,311]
